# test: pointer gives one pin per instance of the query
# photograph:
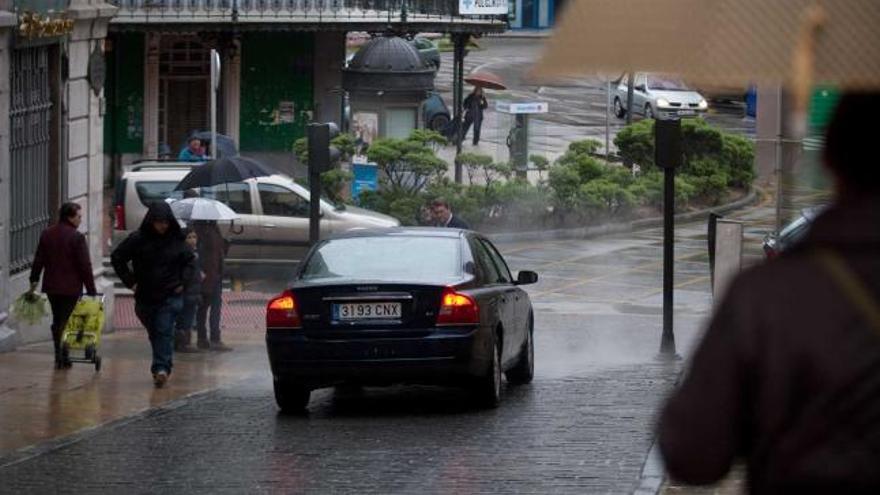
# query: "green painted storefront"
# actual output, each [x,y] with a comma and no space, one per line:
[124,93]
[275,101]
[276,89]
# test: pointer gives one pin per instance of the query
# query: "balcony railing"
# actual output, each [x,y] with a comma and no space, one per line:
[296,11]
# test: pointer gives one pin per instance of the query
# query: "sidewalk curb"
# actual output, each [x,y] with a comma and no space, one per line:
[522,34]
[653,473]
[621,227]
[24,454]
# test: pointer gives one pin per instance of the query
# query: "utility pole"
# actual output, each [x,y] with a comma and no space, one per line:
[630,88]
[668,155]
[608,121]
[460,41]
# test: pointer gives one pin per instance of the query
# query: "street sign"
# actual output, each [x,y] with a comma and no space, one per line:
[215,70]
[482,7]
[366,178]
[522,108]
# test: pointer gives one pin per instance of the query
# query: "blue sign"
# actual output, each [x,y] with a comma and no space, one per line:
[366,177]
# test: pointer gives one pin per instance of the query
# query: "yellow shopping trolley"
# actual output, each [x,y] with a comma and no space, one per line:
[81,339]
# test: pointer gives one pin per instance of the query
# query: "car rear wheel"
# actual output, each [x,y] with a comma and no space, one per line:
[619,111]
[290,397]
[439,123]
[524,370]
[649,112]
[487,391]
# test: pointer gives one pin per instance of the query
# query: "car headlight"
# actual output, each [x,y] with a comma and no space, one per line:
[662,103]
[704,104]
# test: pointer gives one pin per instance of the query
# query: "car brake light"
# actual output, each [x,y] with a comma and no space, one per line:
[119,211]
[457,309]
[281,312]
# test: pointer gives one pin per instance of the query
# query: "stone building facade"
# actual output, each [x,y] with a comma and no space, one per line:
[51,136]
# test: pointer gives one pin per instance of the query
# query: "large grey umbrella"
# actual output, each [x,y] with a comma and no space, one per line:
[224,171]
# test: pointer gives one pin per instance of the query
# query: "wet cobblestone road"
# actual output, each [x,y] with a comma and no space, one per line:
[582,434]
[583,426]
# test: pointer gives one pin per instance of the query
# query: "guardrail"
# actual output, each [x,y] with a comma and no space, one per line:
[306,11]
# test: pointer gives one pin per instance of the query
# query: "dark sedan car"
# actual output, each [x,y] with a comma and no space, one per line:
[403,305]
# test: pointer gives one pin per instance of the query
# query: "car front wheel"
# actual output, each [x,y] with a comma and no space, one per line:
[619,111]
[439,122]
[290,397]
[649,112]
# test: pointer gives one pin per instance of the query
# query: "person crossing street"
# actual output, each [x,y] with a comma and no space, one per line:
[154,261]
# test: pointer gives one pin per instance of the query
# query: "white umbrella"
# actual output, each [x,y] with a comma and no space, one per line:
[202,209]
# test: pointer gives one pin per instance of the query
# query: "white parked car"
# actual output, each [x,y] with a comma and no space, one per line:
[659,95]
[273,224]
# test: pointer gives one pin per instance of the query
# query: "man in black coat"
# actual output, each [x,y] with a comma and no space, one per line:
[63,259]
[155,262]
[443,215]
[787,377]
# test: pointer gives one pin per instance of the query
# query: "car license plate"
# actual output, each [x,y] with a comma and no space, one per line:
[367,311]
[686,112]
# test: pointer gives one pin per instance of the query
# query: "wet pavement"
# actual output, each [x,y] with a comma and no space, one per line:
[577,105]
[584,425]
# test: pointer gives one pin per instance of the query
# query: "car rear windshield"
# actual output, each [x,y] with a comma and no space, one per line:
[153,191]
[387,259]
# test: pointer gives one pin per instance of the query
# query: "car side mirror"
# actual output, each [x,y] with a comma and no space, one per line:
[526,277]
[640,87]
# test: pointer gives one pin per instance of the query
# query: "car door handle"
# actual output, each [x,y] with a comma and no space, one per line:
[269,226]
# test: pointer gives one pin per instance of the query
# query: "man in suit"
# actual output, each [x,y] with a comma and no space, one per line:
[443,215]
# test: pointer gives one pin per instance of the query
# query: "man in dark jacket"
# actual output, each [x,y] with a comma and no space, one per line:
[443,215]
[160,263]
[64,257]
[212,252]
[788,373]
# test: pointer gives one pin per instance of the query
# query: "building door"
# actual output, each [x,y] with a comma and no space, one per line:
[184,85]
[186,103]
[530,14]
[33,148]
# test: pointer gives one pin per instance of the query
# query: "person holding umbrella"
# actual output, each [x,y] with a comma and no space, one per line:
[194,152]
[212,251]
[154,262]
[474,105]
[203,215]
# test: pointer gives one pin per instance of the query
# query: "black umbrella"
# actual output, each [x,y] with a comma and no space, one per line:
[223,171]
[225,145]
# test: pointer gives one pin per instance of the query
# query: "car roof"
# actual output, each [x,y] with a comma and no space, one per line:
[436,232]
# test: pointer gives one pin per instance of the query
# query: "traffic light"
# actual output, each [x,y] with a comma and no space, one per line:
[321,156]
[321,153]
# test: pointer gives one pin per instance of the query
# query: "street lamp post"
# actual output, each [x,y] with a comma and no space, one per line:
[667,155]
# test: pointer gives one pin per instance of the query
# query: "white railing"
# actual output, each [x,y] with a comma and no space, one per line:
[307,11]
